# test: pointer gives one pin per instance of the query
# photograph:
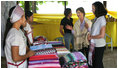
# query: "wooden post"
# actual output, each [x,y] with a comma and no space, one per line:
[34,6]
[105,4]
[27,6]
[64,5]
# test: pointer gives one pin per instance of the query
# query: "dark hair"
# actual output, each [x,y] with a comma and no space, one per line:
[99,9]
[28,14]
[8,24]
[81,9]
[67,12]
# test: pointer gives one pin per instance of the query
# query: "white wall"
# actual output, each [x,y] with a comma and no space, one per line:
[5,6]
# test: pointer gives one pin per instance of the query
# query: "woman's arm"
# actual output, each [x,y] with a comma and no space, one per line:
[101,35]
[15,54]
[27,49]
[69,27]
[61,30]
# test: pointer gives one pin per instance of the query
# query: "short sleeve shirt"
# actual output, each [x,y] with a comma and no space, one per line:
[99,23]
[14,38]
[29,32]
[27,28]
[65,22]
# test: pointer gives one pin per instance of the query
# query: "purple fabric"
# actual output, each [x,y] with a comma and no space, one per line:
[39,61]
[79,56]
[82,25]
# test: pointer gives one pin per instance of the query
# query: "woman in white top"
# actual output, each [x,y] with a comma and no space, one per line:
[97,35]
[29,33]
[16,50]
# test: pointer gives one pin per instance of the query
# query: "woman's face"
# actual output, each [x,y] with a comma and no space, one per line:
[80,14]
[93,9]
[23,21]
[30,19]
[70,14]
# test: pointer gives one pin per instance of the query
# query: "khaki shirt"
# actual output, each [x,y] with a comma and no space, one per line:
[80,37]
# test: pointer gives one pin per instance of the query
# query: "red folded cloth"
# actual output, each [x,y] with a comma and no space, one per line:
[43,57]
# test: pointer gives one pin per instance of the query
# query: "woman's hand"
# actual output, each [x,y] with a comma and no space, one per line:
[89,37]
[69,27]
[31,53]
[86,25]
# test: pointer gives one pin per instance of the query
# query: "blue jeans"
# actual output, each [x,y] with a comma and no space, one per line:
[69,38]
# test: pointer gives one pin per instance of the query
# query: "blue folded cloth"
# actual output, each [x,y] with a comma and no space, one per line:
[42,46]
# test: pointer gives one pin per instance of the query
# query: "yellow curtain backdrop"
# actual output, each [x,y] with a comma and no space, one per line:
[48,25]
[113,14]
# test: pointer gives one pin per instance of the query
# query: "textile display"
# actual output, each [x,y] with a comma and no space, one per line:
[61,50]
[42,46]
[40,38]
[43,57]
[54,43]
[44,61]
[45,51]
[74,60]
[39,42]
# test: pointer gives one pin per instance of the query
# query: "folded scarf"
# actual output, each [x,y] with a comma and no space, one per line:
[73,60]
[44,66]
[41,61]
[46,51]
[42,57]
[43,46]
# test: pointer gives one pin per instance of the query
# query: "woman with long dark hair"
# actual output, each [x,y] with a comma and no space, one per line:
[96,37]
[16,49]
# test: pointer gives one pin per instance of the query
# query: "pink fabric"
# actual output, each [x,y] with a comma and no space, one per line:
[42,57]
[44,66]
[91,53]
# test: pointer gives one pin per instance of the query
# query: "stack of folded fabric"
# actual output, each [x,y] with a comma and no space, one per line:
[61,50]
[45,57]
[44,61]
[74,60]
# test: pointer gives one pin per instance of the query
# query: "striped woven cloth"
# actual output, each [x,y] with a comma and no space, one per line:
[42,46]
[61,50]
[46,51]
[44,61]
[74,60]
[48,42]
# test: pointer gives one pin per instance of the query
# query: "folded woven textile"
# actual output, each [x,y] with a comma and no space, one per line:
[73,60]
[55,42]
[44,61]
[43,57]
[46,51]
[42,46]
[45,66]
[62,50]
[61,45]
[40,38]
[48,42]
[41,61]
[40,42]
